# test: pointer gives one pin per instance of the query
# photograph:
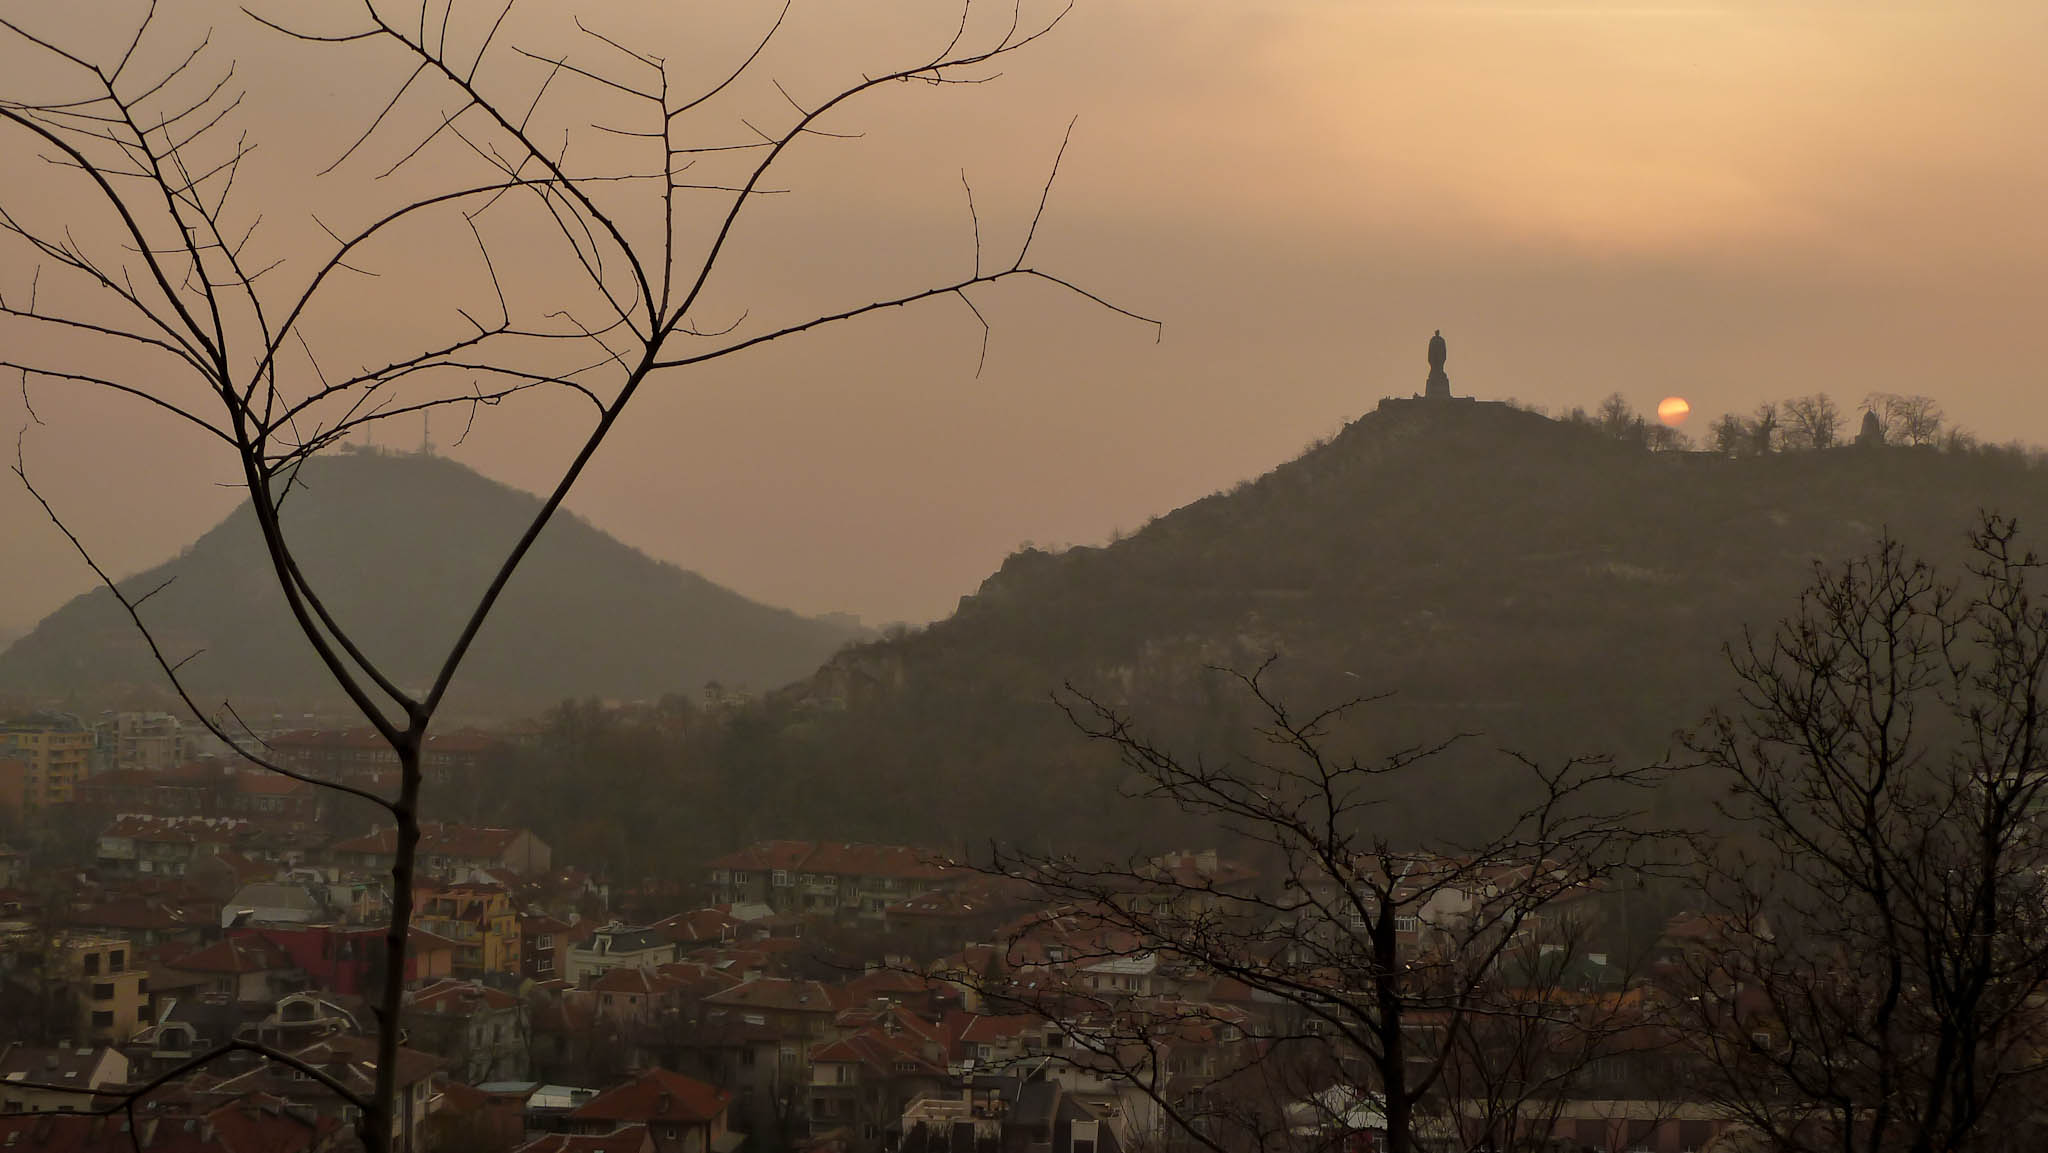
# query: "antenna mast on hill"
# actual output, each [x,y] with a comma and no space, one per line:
[426,434]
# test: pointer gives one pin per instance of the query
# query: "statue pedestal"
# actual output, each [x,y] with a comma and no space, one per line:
[1438,387]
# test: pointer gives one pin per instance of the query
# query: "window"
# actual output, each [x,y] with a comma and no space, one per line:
[92,964]
[1407,923]
[103,991]
[116,960]
[739,876]
[103,1019]
[780,879]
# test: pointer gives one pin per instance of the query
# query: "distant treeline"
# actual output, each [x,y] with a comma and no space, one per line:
[1808,423]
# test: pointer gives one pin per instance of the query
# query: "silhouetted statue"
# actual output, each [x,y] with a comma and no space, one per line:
[1872,434]
[1439,386]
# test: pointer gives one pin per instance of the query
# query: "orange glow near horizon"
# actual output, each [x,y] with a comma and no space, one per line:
[1673,410]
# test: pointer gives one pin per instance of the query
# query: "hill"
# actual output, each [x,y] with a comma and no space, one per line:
[400,547]
[1531,583]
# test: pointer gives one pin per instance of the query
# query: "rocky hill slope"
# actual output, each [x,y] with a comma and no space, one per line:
[1532,584]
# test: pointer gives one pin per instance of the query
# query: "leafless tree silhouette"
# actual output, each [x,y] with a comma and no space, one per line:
[1388,959]
[1874,972]
[148,262]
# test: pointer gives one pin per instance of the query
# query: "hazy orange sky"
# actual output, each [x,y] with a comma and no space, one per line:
[1726,201]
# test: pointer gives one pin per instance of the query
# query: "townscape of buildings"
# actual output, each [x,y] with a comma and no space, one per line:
[829,997]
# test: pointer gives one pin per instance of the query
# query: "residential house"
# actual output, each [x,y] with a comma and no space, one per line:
[356,756]
[112,991]
[699,928]
[453,852]
[272,801]
[1189,883]
[828,878]
[165,846]
[629,994]
[154,741]
[941,921]
[275,903]
[198,1123]
[58,750]
[479,918]
[542,941]
[25,1067]
[14,774]
[299,1019]
[248,969]
[615,946]
[1008,1113]
[144,921]
[352,1060]
[480,1033]
[682,1114]
[863,1082]
[348,959]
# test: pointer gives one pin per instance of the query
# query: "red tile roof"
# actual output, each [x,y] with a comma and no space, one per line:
[630,980]
[233,955]
[697,925]
[657,1095]
[766,855]
[177,830]
[459,998]
[251,1123]
[777,993]
[134,913]
[267,784]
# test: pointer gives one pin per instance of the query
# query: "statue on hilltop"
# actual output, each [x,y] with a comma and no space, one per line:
[1439,385]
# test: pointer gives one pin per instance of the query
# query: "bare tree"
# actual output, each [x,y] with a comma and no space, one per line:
[1812,422]
[1908,420]
[1731,435]
[615,221]
[1881,948]
[1661,437]
[1764,428]
[1618,418]
[1381,955]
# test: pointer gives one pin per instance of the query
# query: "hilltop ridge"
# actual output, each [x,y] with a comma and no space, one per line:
[1533,584]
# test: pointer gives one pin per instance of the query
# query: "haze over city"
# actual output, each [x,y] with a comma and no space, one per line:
[986,576]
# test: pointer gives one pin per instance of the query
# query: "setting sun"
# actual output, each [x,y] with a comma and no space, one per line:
[1673,410]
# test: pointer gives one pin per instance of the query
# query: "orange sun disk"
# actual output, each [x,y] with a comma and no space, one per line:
[1673,410]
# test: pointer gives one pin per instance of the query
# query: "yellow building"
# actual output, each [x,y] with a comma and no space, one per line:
[56,751]
[111,989]
[479,918]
